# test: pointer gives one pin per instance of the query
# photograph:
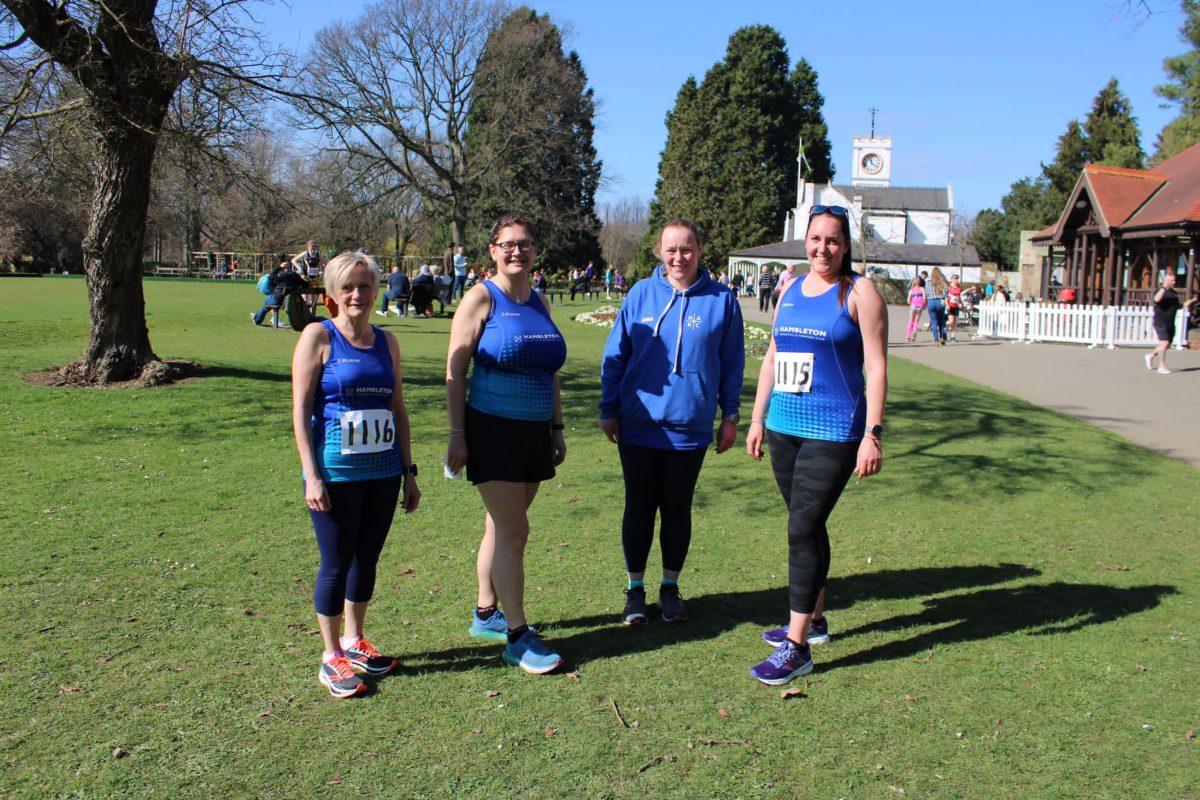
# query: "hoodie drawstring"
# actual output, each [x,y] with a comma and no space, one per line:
[679,334]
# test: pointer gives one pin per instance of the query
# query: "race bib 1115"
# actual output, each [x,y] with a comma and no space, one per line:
[793,372]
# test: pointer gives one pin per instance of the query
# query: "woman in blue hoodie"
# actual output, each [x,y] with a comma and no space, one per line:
[675,353]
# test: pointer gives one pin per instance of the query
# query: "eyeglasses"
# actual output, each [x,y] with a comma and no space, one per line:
[525,245]
[837,211]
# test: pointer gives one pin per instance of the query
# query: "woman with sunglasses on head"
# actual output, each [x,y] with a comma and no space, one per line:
[821,419]
[675,353]
[352,432]
[506,428]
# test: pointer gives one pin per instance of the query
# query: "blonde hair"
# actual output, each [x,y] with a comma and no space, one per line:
[341,265]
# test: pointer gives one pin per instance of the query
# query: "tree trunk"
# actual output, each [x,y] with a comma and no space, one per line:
[119,343]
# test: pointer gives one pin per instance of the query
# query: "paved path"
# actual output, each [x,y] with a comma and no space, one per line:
[1111,389]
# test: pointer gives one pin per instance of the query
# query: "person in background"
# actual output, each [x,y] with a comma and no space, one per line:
[766,284]
[608,281]
[936,291]
[460,274]
[352,434]
[309,263]
[786,276]
[822,420]
[281,281]
[506,429]
[423,289]
[1166,308]
[398,289]
[953,303]
[916,304]
[676,353]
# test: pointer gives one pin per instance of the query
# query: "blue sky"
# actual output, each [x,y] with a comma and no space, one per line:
[974,93]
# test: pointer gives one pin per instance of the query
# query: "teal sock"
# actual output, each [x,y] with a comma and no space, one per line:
[670,581]
[637,584]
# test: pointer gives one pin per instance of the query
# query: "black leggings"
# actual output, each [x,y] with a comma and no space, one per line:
[811,475]
[658,481]
[350,536]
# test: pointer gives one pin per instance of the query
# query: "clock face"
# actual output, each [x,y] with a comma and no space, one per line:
[872,163]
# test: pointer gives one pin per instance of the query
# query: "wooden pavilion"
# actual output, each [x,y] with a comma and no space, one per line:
[1122,229]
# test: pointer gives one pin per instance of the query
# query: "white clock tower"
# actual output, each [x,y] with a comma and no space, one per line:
[872,161]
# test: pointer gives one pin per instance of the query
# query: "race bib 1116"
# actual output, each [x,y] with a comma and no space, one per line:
[793,372]
[367,431]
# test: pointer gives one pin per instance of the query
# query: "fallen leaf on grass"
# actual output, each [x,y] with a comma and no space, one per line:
[296,626]
[551,731]
[574,676]
[65,689]
[910,698]
[789,693]
[119,752]
[1116,568]
[335,780]
[477,731]
[1140,667]
[262,714]
[249,612]
[722,713]
[635,724]
[160,705]
[491,693]
[1189,736]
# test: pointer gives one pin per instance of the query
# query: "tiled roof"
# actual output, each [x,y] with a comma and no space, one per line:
[936,255]
[1178,200]
[903,198]
[1118,193]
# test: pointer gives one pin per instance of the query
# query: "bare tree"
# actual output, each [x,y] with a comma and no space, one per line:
[624,225]
[128,59]
[395,88]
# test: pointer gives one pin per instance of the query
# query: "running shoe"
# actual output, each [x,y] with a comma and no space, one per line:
[363,657]
[494,627]
[671,604]
[818,633]
[338,675]
[635,607]
[1164,371]
[531,655]
[786,663]
[1150,361]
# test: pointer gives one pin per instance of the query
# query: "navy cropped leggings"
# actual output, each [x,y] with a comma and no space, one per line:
[350,536]
[658,482]
[811,475]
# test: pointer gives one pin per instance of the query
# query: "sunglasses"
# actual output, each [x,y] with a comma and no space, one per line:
[837,211]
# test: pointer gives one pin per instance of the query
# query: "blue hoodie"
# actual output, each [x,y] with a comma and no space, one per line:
[671,357]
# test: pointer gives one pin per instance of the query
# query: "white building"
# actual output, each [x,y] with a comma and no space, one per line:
[907,229]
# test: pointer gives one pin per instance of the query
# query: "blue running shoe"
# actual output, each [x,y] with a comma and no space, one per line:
[818,633]
[786,663]
[531,655]
[494,627]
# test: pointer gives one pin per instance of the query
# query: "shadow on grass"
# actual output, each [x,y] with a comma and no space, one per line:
[1040,609]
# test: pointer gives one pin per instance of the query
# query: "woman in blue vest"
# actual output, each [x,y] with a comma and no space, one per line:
[506,428]
[822,420]
[352,432]
[675,354]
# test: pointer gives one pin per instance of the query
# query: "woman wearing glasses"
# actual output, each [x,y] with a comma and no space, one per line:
[506,428]
[675,353]
[821,420]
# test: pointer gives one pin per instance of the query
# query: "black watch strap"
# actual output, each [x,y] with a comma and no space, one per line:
[411,469]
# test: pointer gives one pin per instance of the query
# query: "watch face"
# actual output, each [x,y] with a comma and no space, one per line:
[872,163]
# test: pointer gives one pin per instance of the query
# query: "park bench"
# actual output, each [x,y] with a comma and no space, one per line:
[172,272]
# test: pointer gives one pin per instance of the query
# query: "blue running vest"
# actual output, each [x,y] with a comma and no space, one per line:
[352,380]
[518,353]
[835,409]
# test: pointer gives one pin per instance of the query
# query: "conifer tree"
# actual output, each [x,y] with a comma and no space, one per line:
[729,163]
[532,117]
[1183,88]
[1111,131]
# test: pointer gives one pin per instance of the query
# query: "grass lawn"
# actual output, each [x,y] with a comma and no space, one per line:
[1013,600]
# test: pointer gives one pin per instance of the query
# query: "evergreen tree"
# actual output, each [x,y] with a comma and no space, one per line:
[1182,87]
[729,164]
[1111,131]
[533,116]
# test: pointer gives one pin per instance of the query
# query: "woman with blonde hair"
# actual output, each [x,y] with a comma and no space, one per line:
[352,433]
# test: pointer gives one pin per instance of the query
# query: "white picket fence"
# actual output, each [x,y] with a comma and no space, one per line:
[1095,326]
